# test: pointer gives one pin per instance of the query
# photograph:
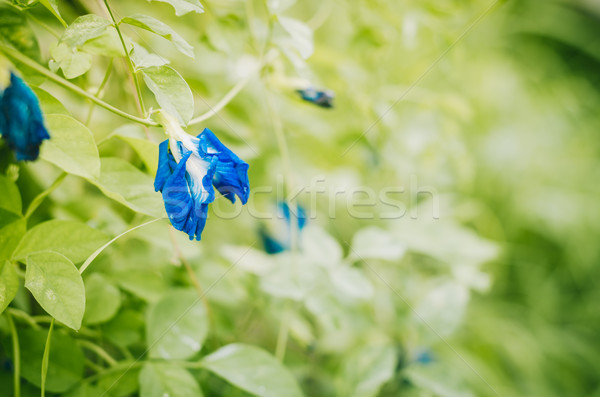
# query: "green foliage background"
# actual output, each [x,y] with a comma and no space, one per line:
[486,114]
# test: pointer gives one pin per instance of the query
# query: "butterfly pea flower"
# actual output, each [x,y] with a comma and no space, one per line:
[322,98]
[274,245]
[189,169]
[21,121]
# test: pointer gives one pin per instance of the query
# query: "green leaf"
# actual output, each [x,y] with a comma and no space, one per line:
[72,61]
[150,286]
[133,135]
[182,7]
[48,102]
[12,229]
[52,6]
[141,58]
[161,29]
[252,369]
[366,369]
[9,284]
[15,32]
[125,328]
[56,285]
[158,380]
[71,146]
[65,366]
[171,91]
[73,239]
[129,186]
[102,298]
[10,199]
[177,325]
[83,29]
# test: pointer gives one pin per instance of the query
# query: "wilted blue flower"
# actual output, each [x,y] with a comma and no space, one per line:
[283,243]
[188,167]
[322,98]
[21,121]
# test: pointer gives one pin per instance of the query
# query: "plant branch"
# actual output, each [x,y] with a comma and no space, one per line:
[138,88]
[11,52]
[16,355]
[35,203]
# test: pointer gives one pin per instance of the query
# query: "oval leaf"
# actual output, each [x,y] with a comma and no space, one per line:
[102,298]
[129,186]
[177,325]
[71,146]
[73,239]
[56,285]
[9,284]
[182,7]
[253,370]
[155,26]
[171,91]
[159,380]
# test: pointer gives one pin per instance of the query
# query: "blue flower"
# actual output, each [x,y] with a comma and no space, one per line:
[322,98]
[273,245]
[188,168]
[21,121]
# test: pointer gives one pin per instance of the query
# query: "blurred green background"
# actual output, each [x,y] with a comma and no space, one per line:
[486,113]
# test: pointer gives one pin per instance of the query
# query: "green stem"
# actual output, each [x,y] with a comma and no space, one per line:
[99,91]
[23,316]
[16,355]
[138,88]
[35,203]
[43,25]
[89,260]
[99,351]
[46,357]
[11,52]
[120,367]
[233,91]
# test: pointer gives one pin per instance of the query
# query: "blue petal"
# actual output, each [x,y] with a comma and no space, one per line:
[272,246]
[322,98]
[164,169]
[21,123]
[300,216]
[231,174]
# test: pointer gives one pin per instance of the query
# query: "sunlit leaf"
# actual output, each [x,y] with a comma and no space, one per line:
[73,239]
[56,285]
[171,91]
[252,369]
[9,284]
[126,184]
[161,29]
[71,146]
[159,380]
[182,7]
